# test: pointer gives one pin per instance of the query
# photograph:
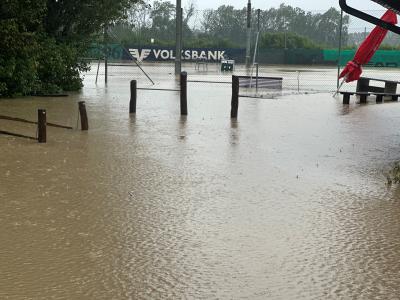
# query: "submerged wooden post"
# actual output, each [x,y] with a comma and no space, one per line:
[42,122]
[83,115]
[363,97]
[235,97]
[379,98]
[346,98]
[132,103]
[184,108]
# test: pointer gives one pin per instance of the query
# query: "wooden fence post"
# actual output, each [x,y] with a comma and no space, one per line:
[132,103]
[42,122]
[184,108]
[235,97]
[83,115]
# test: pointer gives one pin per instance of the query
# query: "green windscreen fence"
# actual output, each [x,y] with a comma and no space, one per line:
[115,51]
[382,58]
[291,57]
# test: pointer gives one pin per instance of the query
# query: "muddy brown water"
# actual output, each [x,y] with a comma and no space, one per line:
[288,202]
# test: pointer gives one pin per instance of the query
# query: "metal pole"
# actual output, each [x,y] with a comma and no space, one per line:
[255,56]
[257,77]
[178,57]
[98,68]
[248,44]
[181,18]
[105,55]
[298,81]
[259,29]
[340,49]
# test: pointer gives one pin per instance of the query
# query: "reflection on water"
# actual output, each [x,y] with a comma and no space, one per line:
[288,202]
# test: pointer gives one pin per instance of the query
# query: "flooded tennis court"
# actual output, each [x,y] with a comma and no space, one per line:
[288,202]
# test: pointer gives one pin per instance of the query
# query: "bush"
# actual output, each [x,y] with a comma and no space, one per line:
[18,60]
[24,57]
[59,67]
[42,67]
[41,42]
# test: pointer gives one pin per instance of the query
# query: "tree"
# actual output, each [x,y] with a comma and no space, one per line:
[320,28]
[226,26]
[76,20]
[20,21]
[326,27]
[42,41]
[289,41]
[163,20]
[157,21]
[225,23]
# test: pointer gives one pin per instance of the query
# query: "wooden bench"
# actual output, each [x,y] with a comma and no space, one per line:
[363,96]
[379,96]
[346,97]
[363,85]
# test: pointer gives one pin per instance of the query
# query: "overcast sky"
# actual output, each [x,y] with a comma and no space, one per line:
[304,4]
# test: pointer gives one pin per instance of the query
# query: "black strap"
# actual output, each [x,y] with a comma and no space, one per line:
[371,19]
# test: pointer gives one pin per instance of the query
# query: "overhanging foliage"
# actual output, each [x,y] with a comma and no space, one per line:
[41,41]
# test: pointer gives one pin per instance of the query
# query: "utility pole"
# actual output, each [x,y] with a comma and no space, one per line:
[248,44]
[178,54]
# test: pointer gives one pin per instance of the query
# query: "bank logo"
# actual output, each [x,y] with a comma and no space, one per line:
[140,55]
[169,54]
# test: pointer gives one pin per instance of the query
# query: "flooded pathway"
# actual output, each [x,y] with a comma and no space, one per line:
[288,202]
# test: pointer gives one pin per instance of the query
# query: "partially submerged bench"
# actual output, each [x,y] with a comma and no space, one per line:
[379,96]
[365,95]
[346,96]
[363,85]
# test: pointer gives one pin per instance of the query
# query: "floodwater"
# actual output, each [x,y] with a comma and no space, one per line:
[288,202]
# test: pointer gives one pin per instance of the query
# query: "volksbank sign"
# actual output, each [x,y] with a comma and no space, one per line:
[117,52]
[166,54]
